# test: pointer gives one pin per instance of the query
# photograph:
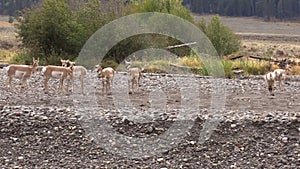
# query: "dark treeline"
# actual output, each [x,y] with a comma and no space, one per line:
[11,7]
[268,9]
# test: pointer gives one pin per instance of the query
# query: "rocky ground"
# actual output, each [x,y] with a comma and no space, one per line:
[168,124]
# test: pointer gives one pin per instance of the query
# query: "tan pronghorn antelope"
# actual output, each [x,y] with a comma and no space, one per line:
[79,72]
[22,72]
[280,75]
[106,75]
[270,81]
[135,74]
[57,72]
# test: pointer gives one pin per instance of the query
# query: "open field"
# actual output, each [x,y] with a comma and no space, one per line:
[259,37]
[8,40]
[258,26]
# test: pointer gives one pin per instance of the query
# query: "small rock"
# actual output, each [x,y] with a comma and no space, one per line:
[20,158]
[294,119]
[185,160]
[192,142]
[14,139]
[150,129]
[284,139]
[160,159]
[233,125]
[44,118]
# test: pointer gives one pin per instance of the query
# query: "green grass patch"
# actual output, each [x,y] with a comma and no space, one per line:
[21,57]
[6,55]
[252,67]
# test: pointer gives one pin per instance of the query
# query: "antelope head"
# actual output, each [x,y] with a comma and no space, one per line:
[66,63]
[35,63]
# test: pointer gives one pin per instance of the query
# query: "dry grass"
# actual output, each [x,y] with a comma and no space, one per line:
[295,70]
[8,34]
[193,61]
[252,67]
[6,55]
[6,24]
[8,44]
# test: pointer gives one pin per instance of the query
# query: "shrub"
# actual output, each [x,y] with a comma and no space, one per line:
[165,6]
[53,60]
[6,54]
[22,57]
[51,28]
[191,61]
[228,68]
[221,36]
[203,71]
[10,19]
[252,67]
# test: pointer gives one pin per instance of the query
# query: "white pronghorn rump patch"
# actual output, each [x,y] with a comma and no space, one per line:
[19,74]
[270,76]
[56,74]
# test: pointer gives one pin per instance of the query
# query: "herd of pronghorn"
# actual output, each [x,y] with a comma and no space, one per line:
[68,70]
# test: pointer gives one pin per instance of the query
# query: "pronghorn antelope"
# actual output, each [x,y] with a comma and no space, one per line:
[280,75]
[22,72]
[270,81]
[79,72]
[58,72]
[135,74]
[106,75]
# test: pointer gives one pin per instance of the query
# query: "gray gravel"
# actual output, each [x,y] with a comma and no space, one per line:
[65,130]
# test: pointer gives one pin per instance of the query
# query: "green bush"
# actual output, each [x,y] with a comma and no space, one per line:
[256,68]
[4,54]
[51,28]
[228,69]
[221,36]
[22,57]
[53,60]
[252,67]
[203,71]
[10,19]
[173,7]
